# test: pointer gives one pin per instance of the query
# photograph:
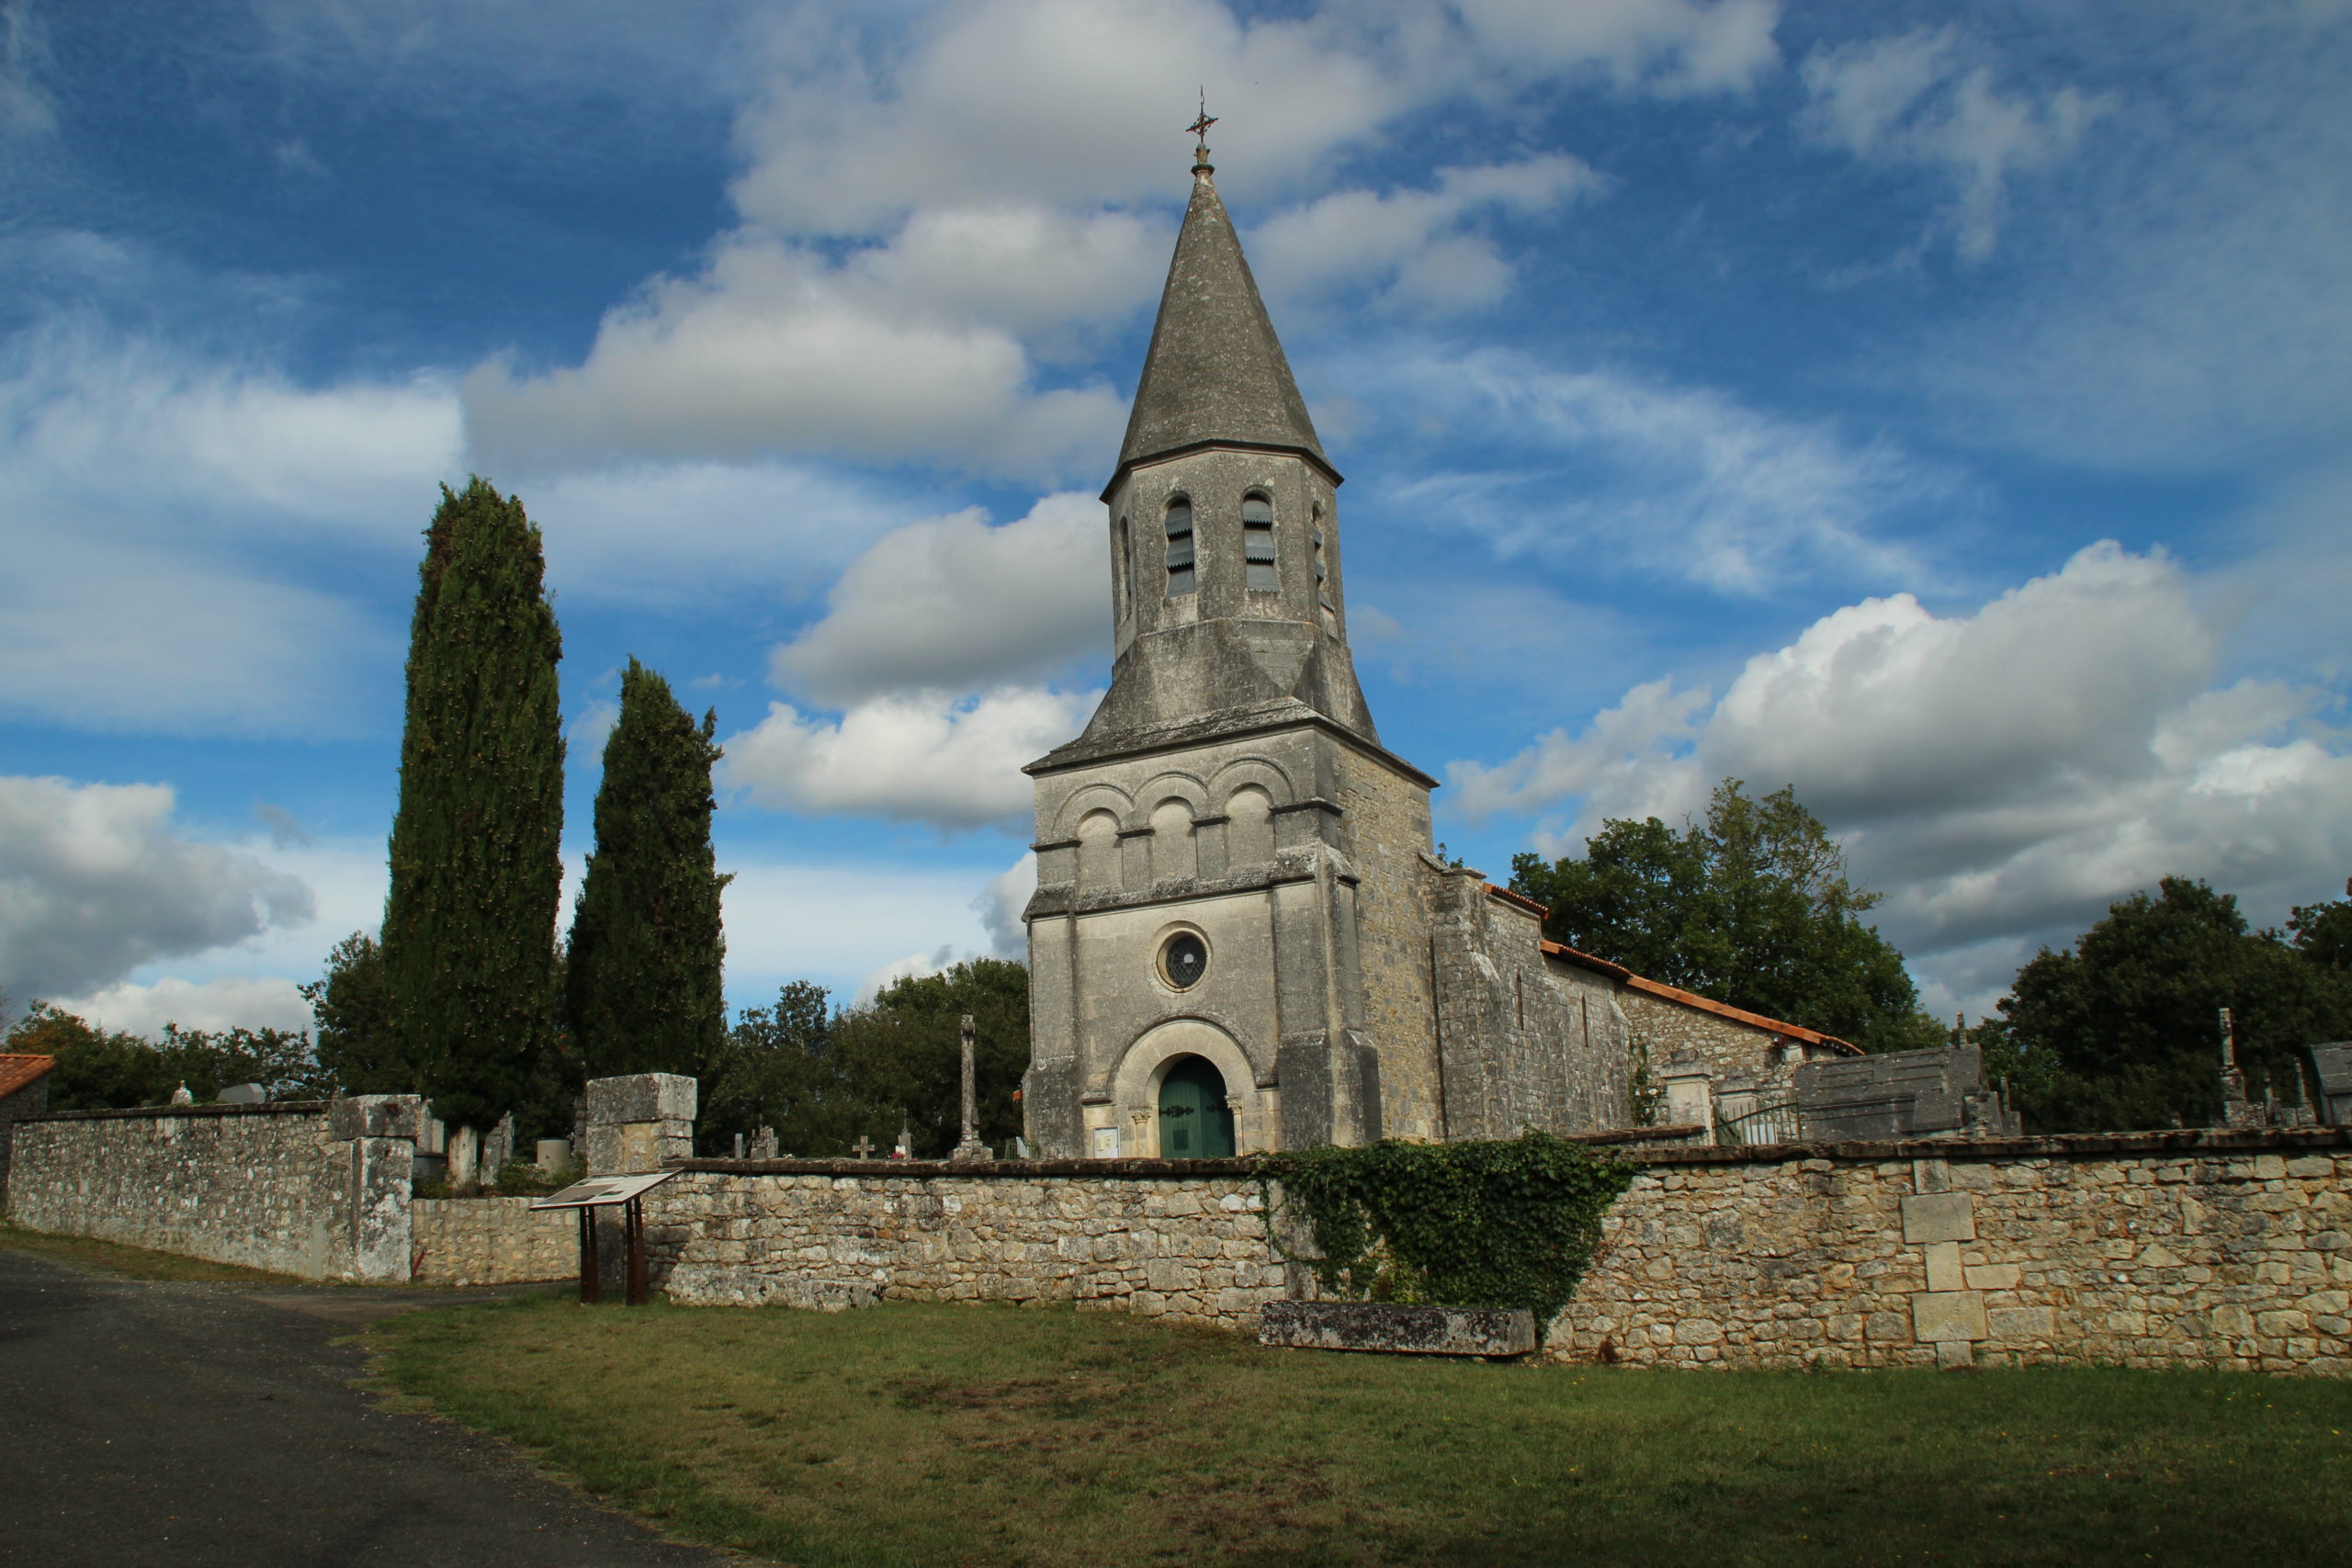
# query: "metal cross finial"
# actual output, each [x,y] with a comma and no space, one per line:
[1200,128]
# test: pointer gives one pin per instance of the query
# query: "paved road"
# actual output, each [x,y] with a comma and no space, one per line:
[170,1424]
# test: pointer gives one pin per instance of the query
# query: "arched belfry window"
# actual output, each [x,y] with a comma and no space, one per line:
[1180,546]
[1258,542]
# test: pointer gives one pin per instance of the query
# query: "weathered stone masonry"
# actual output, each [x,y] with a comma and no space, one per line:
[2220,1249]
[1178,1239]
[318,1188]
[2198,1248]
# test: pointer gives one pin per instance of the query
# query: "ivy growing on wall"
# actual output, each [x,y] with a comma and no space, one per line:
[1510,1222]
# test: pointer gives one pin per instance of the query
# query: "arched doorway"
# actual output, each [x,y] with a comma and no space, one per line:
[1195,1123]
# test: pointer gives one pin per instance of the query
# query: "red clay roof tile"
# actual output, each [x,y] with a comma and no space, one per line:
[17,1071]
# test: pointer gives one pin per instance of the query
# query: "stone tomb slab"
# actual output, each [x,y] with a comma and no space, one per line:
[1397,1329]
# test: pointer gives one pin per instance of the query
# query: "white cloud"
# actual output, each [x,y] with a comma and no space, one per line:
[1001,904]
[1914,100]
[228,1002]
[93,883]
[835,923]
[110,426]
[1675,47]
[1409,245]
[100,637]
[1045,102]
[954,762]
[913,966]
[2004,776]
[146,505]
[771,350]
[1684,481]
[2202,318]
[980,158]
[954,606]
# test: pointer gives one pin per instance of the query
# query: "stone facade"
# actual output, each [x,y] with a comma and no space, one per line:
[1523,1041]
[2229,1250]
[1230,799]
[1159,1242]
[491,1241]
[318,1189]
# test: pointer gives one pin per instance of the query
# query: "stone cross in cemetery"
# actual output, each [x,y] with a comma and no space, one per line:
[864,1147]
[970,1147]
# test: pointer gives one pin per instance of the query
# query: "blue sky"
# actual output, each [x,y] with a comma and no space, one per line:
[1945,409]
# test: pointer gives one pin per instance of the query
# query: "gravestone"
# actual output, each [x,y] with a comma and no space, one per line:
[242,1094]
[1903,1094]
[497,1147]
[763,1143]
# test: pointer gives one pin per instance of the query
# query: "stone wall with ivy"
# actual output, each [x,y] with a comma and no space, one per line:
[2213,1249]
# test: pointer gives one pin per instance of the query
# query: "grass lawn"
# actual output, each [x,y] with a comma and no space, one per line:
[925,1434]
[133,1262]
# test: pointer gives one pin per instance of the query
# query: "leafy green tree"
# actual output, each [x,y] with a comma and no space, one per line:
[359,1045]
[2323,933]
[1752,907]
[902,1056]
[823,1081]
[644,991]
[468,936]
[100,1069]
[778,1069]
[2124,1030]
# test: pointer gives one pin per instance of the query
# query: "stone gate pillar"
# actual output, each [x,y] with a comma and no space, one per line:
[636,1122]
[379,1133]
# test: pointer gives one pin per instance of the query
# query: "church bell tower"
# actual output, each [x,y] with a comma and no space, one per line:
[1225,948]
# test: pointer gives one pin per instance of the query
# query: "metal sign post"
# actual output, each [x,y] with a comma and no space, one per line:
[604,1192]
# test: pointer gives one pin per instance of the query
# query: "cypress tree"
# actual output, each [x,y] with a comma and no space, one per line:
[643,986]
[468,943]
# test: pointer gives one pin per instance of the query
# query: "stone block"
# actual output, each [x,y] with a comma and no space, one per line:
[1939,1316]
[376,1116]
[2021,1324]
[641,1097]
[1994,1276]
[1940,1216]
[1397,1329]
[1944,1272]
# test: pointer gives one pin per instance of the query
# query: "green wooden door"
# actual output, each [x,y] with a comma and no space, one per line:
[1195,1120]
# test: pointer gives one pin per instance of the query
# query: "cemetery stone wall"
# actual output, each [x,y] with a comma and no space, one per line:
[2188,1248]
[318,1188]
[1181,1239]
[491,1241]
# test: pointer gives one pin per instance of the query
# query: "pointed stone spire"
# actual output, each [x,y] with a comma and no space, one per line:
[1216,371]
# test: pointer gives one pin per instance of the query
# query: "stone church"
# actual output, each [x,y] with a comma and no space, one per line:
[1241,940]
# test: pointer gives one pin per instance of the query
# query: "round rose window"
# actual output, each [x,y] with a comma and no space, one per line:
[1184,960]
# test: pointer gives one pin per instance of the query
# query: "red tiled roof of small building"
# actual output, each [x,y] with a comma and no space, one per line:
[17,1071]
